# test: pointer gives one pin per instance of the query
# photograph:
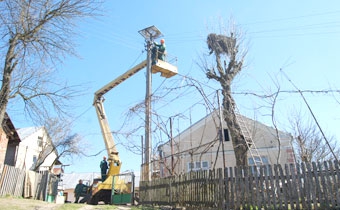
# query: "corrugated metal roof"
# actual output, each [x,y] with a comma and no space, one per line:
[70,180]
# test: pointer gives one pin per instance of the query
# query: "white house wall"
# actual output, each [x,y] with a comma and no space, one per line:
[29,147]
[200,144]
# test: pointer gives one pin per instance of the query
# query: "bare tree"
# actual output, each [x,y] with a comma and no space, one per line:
[309,144]
[64,143]
[229,62]
[35,36]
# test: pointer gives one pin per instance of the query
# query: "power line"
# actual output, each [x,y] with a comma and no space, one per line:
[292,18]
[310,110]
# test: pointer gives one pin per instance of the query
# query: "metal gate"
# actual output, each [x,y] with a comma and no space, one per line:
[123,189]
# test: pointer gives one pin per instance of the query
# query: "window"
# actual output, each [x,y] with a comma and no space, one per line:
[35,159]
[225,134]
[196,166]
[205,165]
[40,141]
[191,166]
[257,160]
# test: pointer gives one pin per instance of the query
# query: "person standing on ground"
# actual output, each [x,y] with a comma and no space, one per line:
[103,168]
[78,190]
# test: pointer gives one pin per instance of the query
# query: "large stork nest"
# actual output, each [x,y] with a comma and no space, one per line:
[221,44]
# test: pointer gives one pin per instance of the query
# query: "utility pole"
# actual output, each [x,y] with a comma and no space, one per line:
[221,127]
[172,148]
[149,33]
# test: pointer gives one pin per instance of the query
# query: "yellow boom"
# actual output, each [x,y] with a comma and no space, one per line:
[167,70]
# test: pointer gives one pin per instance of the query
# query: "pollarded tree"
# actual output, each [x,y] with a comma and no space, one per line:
[35,36]
[229,62]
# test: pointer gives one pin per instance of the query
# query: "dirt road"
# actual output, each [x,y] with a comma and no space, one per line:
[29,204]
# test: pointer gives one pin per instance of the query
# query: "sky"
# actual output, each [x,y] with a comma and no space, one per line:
[284,40]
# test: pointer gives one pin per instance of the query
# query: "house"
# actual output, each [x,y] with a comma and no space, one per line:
[200,147]
[9,141]
[36,148]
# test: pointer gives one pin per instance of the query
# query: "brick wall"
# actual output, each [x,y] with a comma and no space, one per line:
[3,146]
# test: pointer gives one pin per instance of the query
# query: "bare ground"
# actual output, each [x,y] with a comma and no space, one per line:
[30,204]
[25,204]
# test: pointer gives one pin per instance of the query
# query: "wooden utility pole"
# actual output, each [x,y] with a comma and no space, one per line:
[149,34]
[167,70]
[172,148]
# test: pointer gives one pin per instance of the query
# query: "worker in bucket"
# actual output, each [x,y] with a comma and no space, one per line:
[158,51]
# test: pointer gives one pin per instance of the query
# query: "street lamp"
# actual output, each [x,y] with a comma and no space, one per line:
[149,33]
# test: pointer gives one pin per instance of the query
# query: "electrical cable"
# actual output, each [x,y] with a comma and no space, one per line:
[293,18]
[310,110]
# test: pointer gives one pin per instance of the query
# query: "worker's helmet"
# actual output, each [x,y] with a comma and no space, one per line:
[162,41]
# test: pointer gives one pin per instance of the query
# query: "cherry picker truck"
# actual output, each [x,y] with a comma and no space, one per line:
[103,191]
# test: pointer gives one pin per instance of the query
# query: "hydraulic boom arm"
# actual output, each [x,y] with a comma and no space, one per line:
[112,152]
[167,70]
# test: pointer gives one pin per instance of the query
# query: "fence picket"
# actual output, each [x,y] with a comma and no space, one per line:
[307,188]
[278,186]
[268,198]
[271,181]
[5,181]
[289,192]
[220,192]
[261,188]
[226,189]
[19,187]
[329,177]
[337,182]
[301,186]
[236,188]
[324,191]
[252,186]
[294,186]
[284,187]
[313,185]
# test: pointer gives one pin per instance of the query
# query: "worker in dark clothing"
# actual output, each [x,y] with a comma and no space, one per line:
[158,51]
[103,168]
[78,190]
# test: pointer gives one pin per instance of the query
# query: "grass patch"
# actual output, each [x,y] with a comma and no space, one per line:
[74,206]
[70,206]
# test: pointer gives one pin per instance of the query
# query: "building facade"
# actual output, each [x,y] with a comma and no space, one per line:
[201,147]
[35,148]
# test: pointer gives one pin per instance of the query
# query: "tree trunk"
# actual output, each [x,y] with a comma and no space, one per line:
[6,78]
[227,48]
[238,140]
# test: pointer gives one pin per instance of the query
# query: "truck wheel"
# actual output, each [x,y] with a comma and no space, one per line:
[93,200]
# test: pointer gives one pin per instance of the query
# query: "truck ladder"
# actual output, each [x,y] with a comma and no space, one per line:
[250,143]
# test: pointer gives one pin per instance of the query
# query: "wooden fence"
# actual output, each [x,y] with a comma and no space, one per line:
[28,184]
[295,186]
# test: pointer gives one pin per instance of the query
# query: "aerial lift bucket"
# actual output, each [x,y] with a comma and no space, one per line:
[166,69]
